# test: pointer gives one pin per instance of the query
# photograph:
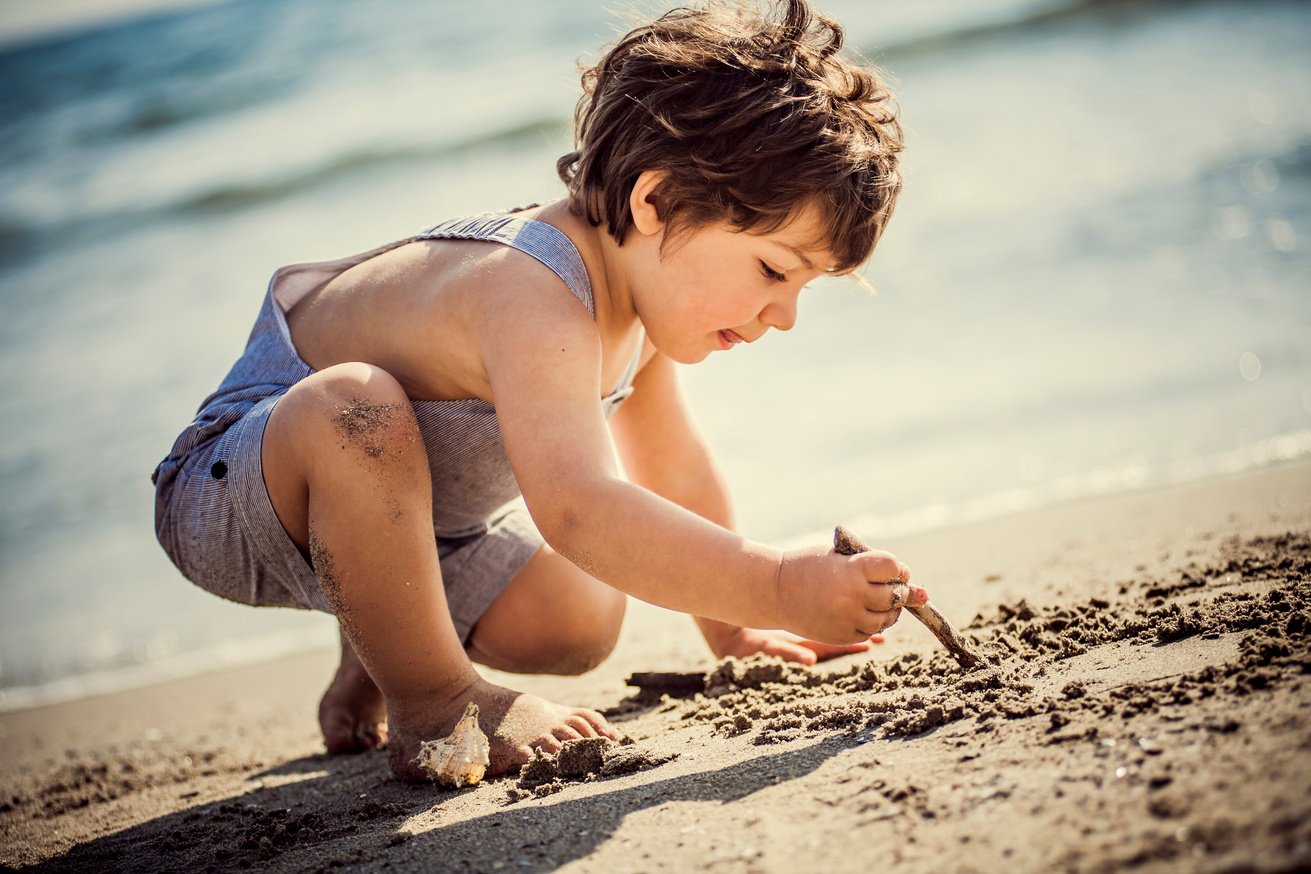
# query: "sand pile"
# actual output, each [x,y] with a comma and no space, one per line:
[585,760]
[1260,590]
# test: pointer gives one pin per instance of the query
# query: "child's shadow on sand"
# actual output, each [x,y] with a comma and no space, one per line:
[324,822]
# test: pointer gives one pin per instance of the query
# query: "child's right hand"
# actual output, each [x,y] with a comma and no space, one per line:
[843,599]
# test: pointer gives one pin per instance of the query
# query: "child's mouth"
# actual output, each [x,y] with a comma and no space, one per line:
[729,339]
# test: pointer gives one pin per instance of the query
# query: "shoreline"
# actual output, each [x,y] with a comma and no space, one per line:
[1126,480]
[118,773]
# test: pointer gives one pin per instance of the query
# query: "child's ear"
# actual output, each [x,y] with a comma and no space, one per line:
[642,203]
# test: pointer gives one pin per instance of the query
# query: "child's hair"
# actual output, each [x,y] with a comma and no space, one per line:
[751,117]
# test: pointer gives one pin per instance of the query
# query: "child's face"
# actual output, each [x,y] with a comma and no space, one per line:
[715,287]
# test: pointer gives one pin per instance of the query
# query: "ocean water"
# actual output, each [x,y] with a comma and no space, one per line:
[1096,279]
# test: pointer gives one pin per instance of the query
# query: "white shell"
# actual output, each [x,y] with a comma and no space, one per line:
[460,758]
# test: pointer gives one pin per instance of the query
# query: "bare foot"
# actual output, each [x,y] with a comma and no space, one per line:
[352,714]
[516,723]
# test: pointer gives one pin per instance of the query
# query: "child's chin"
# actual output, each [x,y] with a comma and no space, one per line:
[686,354]
[692,356]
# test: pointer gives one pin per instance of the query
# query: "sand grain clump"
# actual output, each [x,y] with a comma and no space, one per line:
[585,759]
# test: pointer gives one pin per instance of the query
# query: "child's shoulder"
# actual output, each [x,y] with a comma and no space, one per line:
[529,265]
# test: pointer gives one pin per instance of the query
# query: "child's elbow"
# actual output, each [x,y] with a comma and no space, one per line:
[570,519]
[560,527]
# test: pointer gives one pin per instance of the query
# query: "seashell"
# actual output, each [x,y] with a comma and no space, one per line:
[460,758]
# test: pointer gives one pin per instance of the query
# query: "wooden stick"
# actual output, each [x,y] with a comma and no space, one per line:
[846,543]
[670,682]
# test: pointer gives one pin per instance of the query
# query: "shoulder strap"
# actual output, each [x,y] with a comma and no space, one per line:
[631,372]
[544,242]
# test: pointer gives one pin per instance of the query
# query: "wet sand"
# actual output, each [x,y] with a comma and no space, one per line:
[1146,708]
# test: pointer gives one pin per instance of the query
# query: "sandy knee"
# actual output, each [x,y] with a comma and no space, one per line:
[368,411]
[345,431]
[357,404]
[346,418]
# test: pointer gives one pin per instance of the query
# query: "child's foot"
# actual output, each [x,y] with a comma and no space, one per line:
[516,723]
[352,713]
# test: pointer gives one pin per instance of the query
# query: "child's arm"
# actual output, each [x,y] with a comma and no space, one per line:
[663,451]
[542,357]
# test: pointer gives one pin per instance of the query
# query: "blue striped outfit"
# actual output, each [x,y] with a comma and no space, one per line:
[212,512]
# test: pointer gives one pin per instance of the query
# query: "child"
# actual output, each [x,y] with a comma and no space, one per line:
[352,461]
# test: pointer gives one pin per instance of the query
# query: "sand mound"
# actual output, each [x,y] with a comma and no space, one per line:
[1259,590]
[594,758]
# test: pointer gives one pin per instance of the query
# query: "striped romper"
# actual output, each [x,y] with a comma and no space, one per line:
[213,515]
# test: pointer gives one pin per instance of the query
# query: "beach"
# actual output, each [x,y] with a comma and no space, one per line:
[1076,297]
[1146,708]
[1078,406]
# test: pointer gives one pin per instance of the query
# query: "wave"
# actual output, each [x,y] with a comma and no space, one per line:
[1019,18]
[18,232]
[38,24]
[41,45]
[227,197]
[135,153]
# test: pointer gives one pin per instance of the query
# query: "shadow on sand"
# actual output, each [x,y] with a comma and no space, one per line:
[324,821]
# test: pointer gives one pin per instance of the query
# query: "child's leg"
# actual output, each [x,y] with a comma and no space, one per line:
[352,712]
[551,619]
[348,477]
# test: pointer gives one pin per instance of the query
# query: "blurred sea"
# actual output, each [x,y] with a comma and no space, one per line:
[1096,280]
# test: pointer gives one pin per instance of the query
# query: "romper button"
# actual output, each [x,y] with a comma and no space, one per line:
[219,470]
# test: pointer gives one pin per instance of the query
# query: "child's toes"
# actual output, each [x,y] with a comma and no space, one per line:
[548,744]
[598,722]
[564,732]
[371,736]
[581,725]
[340,741]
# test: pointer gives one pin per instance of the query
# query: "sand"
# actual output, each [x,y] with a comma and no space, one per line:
[1146,708]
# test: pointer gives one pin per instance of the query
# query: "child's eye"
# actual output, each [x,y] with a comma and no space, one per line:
[772,273]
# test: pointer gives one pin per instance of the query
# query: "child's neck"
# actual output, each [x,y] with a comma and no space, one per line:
[605,265]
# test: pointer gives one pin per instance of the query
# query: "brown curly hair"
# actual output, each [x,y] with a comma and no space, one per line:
[750,116]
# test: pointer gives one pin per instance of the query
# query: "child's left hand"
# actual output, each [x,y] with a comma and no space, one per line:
[743,642]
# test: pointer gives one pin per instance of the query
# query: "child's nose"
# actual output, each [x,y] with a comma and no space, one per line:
[780,315]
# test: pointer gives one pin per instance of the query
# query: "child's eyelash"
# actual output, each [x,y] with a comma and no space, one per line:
[771,273]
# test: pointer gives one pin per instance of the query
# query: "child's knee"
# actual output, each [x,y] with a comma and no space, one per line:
[588,639]
[358,408]
[566,635]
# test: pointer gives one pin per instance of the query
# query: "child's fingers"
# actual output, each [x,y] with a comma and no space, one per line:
[880,620]
[886,596]
[880,567]
[827,651]
[791,652]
